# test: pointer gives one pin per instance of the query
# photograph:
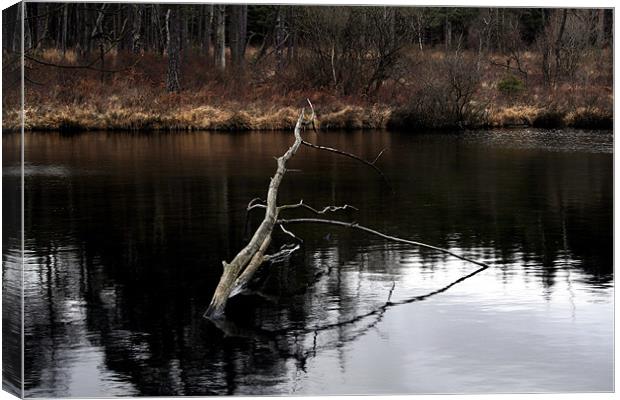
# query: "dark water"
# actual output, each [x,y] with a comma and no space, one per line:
[125,235]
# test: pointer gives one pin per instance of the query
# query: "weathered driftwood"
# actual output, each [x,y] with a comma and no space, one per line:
[238,273]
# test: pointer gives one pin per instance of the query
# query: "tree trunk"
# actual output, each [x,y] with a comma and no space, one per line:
[30,26]
[65,14]
[174,46]
[185,41]
[545,50]
[280,39]
[220,37]
[136,37]
[238,33]
[27,35]
[292,42]
[9,23]
[558,46]
[206,41]
[448,39]
[419,29]
[41,24]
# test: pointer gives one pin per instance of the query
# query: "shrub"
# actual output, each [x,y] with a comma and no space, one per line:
[549,118]
[511,86]
[587,118]
[446,100]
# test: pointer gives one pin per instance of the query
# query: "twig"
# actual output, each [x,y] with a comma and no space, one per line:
[255,203]
[291,234]
[378,155]
[301,204]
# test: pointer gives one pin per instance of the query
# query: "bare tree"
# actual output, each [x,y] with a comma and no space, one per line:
[419,22]
[564,42]
[354,49]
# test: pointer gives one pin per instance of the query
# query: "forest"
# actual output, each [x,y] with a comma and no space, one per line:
[118,66]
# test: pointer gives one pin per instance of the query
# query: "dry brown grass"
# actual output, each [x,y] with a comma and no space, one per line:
[513,116]
[593,118]
[256,117]
[56,56]
[227,118]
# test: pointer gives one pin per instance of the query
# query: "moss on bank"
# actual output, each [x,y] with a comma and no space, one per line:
[231,118]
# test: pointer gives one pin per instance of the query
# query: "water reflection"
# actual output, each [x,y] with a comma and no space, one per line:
[11,267]
[126,233]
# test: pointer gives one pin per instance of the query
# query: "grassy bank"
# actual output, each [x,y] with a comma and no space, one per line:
[228,117]
[433,91]
[238,117]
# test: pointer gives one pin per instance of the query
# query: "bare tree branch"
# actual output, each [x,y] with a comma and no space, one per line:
[291,234]
[240,270]
[350,155]
[238,273]
[378,155]
[326,209]
[355,225]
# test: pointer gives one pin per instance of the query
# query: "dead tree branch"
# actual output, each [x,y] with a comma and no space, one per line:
[355,225]
[291,234]
[326,209]
[238,272]
[350,155]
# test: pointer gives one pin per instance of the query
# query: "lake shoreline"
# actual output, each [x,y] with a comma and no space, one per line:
[72,118]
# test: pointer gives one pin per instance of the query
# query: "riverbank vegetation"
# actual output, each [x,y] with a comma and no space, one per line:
[237,67]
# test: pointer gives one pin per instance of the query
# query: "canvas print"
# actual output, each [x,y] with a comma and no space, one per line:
[297,199]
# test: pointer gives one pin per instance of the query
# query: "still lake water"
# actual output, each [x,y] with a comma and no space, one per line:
[125,234]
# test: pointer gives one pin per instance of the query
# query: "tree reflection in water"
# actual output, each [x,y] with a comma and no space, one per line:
[126,233]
